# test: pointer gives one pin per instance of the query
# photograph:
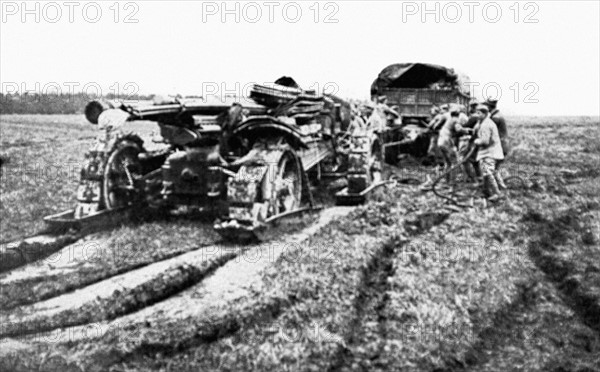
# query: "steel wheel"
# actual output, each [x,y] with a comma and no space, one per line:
[122,173]
[285,187]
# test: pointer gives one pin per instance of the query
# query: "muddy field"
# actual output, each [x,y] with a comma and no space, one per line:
[405,282]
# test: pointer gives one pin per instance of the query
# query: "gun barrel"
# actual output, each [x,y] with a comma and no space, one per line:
[147,110]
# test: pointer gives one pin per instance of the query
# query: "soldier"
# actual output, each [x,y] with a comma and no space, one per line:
[463,118]
[498,119]
[440,118]
[382,115]
[391,113]
[228,120]
[445,140]
[435,110]
[437,119]
[465,142]
[378,118]
[366,110]
[461,121]
[489,152]
[432,150]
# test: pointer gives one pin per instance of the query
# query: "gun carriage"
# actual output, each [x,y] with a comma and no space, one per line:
[252,162]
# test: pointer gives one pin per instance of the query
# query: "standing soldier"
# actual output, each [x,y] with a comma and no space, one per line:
[439,117]
[378,119]
[391,113]
[446,141]
[498,119]
[489,152]
[465,142]
[463,118]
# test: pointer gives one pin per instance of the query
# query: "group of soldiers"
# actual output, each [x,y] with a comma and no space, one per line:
[478,138]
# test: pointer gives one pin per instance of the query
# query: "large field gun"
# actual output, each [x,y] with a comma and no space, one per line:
[251,162]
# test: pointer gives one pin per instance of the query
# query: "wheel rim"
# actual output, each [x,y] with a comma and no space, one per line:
[287,187]
[122,171]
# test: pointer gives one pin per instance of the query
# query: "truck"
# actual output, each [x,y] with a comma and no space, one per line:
[412,89]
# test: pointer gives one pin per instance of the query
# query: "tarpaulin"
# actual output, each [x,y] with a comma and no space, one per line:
[419,75]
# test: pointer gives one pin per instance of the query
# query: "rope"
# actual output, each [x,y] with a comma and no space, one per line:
[437,180]
[453,200]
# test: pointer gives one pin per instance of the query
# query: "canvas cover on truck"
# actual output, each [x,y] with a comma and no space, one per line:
[419,76]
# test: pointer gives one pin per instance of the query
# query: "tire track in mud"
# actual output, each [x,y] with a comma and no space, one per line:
[536,321]
[198,314]
[24,251]
[373,293]
[21,287]
[545,252]
[369,303]
[118,295]
[503,326]
[555,271]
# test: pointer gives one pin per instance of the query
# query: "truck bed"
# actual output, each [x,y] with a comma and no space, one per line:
[418,102]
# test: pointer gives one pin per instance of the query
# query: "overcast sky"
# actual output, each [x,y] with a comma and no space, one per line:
[544,51]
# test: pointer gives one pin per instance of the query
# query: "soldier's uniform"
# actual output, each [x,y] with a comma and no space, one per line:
[500,122]
[439,118]
[489,152]
[465,142]
[445,141]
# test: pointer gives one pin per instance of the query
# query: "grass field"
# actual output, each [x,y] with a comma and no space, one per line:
[402,283]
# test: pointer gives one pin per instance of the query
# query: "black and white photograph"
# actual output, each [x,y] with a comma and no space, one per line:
[307,185]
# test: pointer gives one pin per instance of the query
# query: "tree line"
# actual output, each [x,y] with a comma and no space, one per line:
[53,103]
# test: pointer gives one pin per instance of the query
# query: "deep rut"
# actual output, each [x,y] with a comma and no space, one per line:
[369,320]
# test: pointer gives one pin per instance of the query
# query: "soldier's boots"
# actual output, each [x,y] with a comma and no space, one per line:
[500,181]
[491,188]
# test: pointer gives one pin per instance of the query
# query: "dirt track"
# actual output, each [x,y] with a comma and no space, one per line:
[161,293]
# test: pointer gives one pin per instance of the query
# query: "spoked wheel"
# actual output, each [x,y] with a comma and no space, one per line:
[282,188]
[122,173]
[259,192]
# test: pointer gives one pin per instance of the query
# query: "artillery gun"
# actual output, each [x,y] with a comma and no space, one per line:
[251,163]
